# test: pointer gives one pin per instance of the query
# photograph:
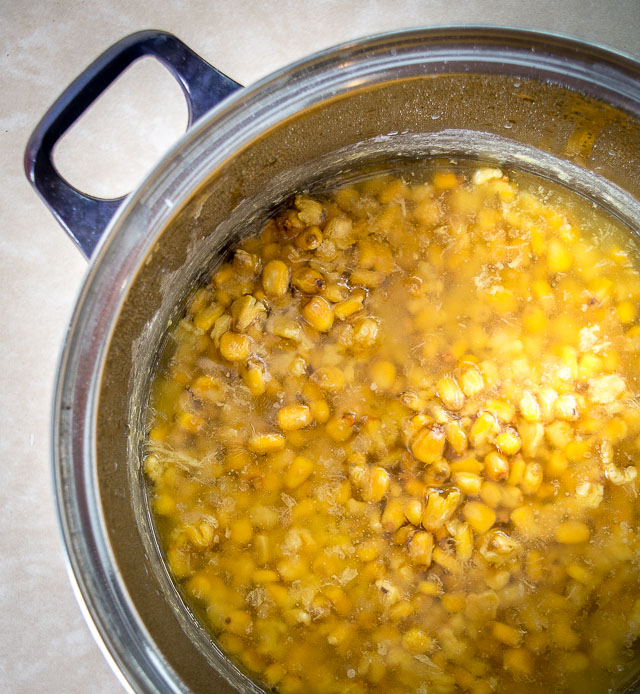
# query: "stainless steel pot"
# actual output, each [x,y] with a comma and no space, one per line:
[547,104]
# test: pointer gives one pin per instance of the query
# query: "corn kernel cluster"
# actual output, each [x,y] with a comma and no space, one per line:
[394,446]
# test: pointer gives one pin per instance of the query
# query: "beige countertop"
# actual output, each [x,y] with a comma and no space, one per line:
[45,646]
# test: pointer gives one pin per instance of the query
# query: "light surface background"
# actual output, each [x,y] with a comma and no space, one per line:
[45,645]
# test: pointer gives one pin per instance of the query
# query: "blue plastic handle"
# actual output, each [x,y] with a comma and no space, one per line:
[84,217]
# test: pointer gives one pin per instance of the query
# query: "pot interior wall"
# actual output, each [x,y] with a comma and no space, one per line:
[508,112]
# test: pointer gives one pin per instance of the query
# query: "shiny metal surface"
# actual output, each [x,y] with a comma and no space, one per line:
[503,95]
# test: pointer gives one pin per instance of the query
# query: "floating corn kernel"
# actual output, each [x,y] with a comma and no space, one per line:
[235,346]
[508,442]
[308,280]
[292,417]
[440,509]
[531,478]
[483,429]
[529,408]
[417,641]
[428,444]
[298,472]
[558,257]
[319,314]
[383,374]
[241,531]
[626,312]
[518,661]
[414,511]
[266,443]
[445,180]
[421,548]
[450,393]
[365,331]
[329,378]
[479,516]
[351,305]
[496,466]
[572,532]
[340,427]
[275,278]
[506,634]
[456,436]
[310,239]
[393,515]
[467,482]
[566,408]
[471,381]
[378,484]
[244,311]
[310,211]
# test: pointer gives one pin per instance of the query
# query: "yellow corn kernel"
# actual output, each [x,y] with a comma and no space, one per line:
[421,548]
[329,378]
[566,408]
[518,661]
[496,466]
[531,478]
[534,320]
[241,531]
[340,427]
[467,482]
[393,515]
[450,393]
[428,444]
[529,408]
[558,257]
[445,180]
[368,550]
[491,494]
[523,519]
[626,312]
[483,429]
[351,305]
[261,548]
[235,346]
[471,381]
[378,484]
[308,280]
[365,331]
[190,422]
[339,599]
[254,377]
[479,516]
[274,674]
[383,374]
[417,641]
[447,561]
[414,511]
[454,602]
[508,442]
[164,504]
[320,410]
[456,436]
[265,576]
[501,409]
[266,443]
[207,316]
[572,532]
[298,472]
[292,417]
[506,634]
[319,314]
[336,292]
